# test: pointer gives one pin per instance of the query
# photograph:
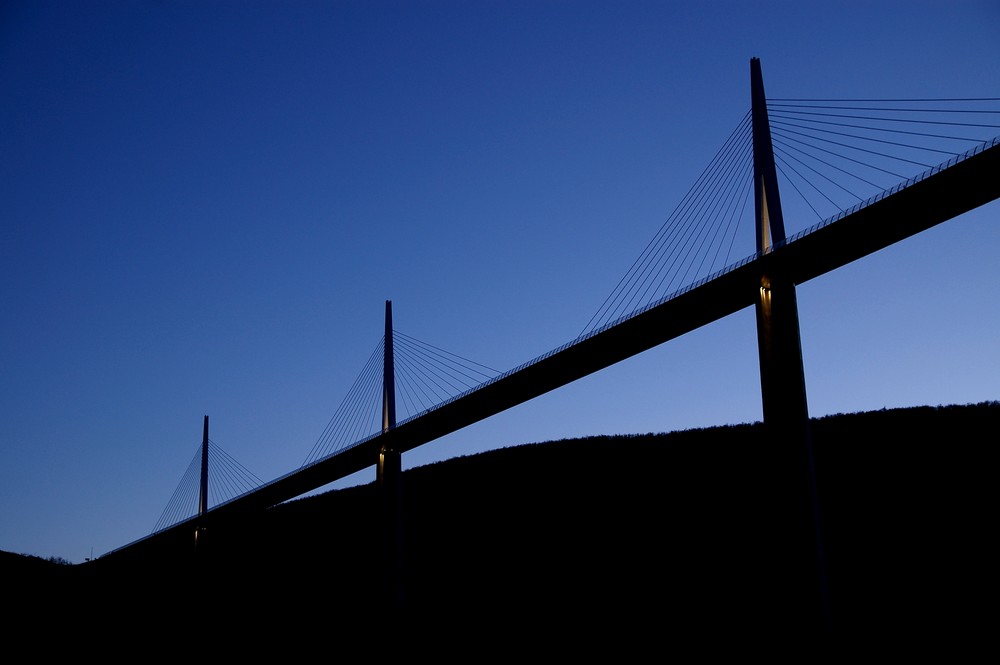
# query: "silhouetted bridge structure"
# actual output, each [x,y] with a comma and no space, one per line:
[765,280]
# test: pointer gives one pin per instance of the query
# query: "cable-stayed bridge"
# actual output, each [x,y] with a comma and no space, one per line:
[865,173]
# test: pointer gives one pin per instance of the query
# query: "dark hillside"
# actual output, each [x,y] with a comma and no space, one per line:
[675,533]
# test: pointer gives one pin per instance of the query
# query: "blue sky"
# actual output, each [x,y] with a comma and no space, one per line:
[205,206]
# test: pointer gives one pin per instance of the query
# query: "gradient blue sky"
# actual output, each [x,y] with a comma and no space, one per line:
[205,206]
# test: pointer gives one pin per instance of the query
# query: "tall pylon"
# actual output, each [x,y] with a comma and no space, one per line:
[783,386]
[387,456]
[199,535]
[389,478]
[782,375]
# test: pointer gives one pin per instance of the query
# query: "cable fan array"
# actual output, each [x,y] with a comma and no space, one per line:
[831,155]
[425,377]
[229,479]
[837,153]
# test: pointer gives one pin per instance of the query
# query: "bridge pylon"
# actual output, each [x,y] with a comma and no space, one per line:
[782,375]
[199,533]
[389,478]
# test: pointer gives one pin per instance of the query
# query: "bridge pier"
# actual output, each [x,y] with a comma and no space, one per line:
[783,392]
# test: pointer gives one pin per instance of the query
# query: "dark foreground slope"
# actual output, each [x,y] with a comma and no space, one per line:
[662,536]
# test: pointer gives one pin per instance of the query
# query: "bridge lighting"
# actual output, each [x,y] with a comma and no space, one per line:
[765,291]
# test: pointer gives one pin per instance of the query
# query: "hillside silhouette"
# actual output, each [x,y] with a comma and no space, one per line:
[678,532]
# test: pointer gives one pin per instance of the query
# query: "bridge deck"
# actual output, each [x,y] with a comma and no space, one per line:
[932,200]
